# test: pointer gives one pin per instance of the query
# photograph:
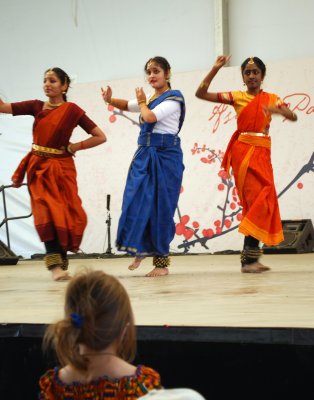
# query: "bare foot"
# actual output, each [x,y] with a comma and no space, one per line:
[136,263]
[59,275]
[158,272]
[263,267]
[254,268]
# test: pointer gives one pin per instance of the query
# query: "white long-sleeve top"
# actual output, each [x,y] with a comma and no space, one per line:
[167,113]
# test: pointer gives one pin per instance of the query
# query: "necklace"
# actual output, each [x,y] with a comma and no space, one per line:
[154,96]
[54,104]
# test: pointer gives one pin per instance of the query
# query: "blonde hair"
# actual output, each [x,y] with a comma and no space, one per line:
[103,316]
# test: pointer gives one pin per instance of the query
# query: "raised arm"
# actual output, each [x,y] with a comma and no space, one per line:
[202,90]
[121,104]
[5,108]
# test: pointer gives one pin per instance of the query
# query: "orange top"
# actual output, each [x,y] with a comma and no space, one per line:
[131,387]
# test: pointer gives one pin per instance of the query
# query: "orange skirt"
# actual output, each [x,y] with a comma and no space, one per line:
[253,173]
[56,205]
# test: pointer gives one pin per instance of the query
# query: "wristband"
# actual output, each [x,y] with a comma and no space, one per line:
[70,151]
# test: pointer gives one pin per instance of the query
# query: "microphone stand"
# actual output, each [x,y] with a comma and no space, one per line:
[108,222]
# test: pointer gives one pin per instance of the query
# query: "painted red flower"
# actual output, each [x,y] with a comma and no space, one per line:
[188,233]
[184,219]
[208,233]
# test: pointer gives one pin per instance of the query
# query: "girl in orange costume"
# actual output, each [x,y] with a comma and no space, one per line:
[59,217]
[248,153]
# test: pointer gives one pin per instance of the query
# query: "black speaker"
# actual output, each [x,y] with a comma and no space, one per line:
[7,257]
[298,238]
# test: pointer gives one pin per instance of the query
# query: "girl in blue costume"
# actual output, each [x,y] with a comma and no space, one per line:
[146,226]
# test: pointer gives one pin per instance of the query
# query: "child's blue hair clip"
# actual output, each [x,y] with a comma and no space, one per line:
[76,320]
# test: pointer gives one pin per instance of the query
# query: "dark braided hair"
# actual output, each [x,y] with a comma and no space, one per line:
[257,61]
[64,78]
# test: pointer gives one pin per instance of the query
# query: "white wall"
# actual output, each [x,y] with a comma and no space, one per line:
[272,30]
[107,39]
[99,39]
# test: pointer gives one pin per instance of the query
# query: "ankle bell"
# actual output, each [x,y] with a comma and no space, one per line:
[250,255]
[161,262]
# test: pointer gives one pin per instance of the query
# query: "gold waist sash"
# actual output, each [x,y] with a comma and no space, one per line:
[47,150]
[254,133]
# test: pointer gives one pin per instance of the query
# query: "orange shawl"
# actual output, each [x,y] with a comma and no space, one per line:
[56,205]
[250,159]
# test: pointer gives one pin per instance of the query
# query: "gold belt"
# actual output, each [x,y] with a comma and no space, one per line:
[254,133]
[47,150]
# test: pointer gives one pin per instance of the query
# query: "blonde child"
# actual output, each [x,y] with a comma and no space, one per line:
[95,343]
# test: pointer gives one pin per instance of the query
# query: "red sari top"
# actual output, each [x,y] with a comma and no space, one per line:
[251,116]
[59,130]
[239,100]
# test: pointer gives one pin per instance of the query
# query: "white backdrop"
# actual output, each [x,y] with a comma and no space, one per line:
[207,200]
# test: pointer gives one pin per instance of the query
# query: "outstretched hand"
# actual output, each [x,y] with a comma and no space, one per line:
[106,94]
[221,61]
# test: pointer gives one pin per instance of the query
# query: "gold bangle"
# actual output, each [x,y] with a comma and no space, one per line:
[109,102]
[203,84]
[142,103]
[69,150]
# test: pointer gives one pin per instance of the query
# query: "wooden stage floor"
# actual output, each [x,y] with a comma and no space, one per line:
[202,291]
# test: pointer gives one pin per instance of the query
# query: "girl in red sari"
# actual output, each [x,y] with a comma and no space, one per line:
[59,217]
[248,153]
